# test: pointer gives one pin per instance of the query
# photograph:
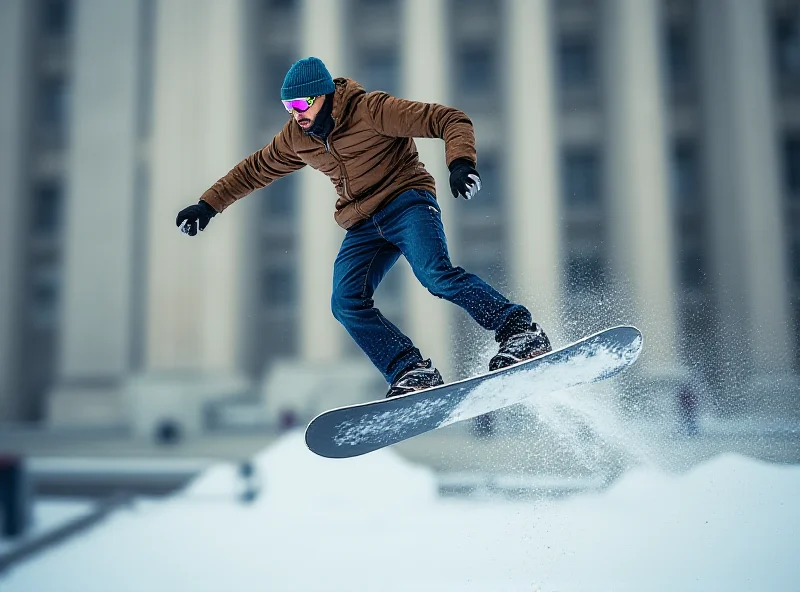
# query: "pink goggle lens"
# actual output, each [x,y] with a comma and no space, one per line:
[299,105]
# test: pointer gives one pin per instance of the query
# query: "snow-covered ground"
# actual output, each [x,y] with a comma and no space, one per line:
[376,523]
[49,514]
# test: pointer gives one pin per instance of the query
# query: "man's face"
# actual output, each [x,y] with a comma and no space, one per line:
[306,118]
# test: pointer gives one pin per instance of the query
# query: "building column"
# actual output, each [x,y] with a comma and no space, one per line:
[322,337]
[534,197]
[637,197]
[745,209]
[94,342]
[194,284]
[426,77]
[198,136]
[13,27]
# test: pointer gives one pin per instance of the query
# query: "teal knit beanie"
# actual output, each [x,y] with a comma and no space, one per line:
[307,78]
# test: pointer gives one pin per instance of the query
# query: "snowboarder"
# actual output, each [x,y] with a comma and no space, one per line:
[386,202]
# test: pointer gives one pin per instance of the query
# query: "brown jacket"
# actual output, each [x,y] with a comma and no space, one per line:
[370,156]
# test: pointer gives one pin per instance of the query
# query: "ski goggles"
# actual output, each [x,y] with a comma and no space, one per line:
[299,105]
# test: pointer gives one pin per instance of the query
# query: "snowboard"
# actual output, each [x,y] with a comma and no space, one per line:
[358,429]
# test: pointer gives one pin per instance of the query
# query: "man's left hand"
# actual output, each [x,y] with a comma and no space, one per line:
[464,179]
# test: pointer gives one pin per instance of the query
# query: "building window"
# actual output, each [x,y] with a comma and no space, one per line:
[374,40]
[794,260]
[688,215]
[54,104]
[279,5]
[577,5]
[475,32]
[275,26]
[147,15]
[476,70]
[280,199]
[49,198]
[45,289]
[679,66]
[279,287]
[375,12]
[692,270]
[55,17]
[576,65]
[581,177]
[380,70]
[787,50]
[791,166]
[683,173]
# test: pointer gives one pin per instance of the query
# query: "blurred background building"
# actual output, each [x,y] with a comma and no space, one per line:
[640,164]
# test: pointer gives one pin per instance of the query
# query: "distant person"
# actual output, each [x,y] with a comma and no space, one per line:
[287,420]
[386,202]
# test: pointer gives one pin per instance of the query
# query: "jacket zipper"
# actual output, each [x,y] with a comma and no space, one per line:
[341,164]
[327,145]
[328,138]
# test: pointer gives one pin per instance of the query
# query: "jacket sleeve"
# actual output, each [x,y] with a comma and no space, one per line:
[277,159]
[411,119]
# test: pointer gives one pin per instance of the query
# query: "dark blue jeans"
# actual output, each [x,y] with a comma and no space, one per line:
[411,226]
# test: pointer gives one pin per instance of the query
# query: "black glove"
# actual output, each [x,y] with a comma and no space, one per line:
[195,218]
[464,179]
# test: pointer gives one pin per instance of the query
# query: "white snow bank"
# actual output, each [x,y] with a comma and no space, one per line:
[291,475]
[48,515]
[370,524]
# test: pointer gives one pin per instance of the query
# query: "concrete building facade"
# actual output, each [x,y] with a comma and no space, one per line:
[640,164]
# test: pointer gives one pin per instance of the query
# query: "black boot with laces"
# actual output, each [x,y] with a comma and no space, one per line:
[419,376]
[525,345]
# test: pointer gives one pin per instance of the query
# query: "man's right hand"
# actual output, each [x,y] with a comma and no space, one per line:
[195,218]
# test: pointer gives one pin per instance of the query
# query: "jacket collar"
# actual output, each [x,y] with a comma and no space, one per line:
[323,123]
[344,95]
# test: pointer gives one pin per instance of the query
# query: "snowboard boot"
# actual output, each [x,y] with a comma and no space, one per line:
[528,344]
[416,377]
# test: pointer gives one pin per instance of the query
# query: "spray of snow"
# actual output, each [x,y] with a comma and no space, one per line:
[592,362]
